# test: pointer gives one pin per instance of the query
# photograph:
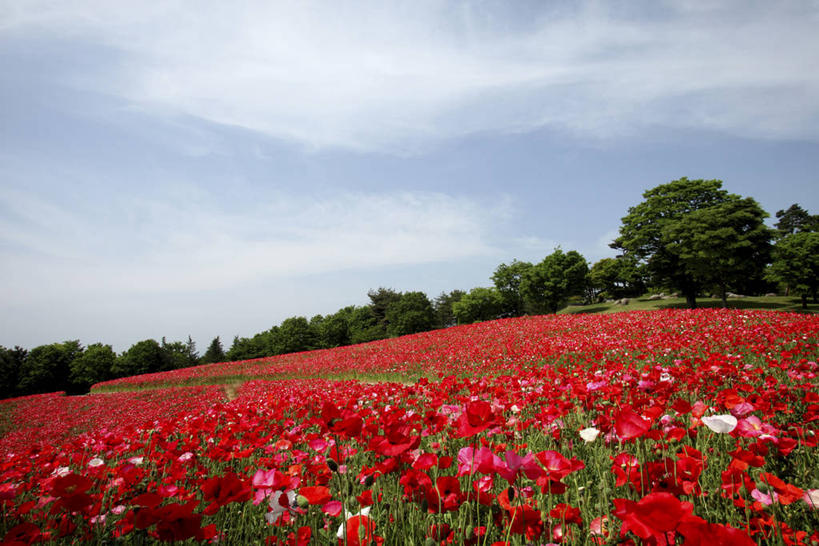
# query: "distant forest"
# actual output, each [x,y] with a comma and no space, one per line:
[687,236]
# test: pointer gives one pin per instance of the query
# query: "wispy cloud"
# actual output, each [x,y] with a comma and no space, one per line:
[397,77]
[165,247]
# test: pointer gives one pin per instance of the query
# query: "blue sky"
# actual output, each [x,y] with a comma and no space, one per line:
[210,169]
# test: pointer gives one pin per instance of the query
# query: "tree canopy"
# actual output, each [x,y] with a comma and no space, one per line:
[795,219]
[796,263]
[444,316]
[478,304]
[507,279]
[666,232]
[618,277]
[47,368]
[214,352]
[547,286]
[145,356]
[412,313]
[92,366]
[721,245]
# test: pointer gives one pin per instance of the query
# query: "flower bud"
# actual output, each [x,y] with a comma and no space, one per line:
[302,501]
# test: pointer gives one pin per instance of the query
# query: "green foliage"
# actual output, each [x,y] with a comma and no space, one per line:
[214,353]
[796,263]
[47,367]
[444,317]
[477,305]
[144,356]
[795,220]
[191,354]
[619,277]
[179,354]
[11,360]
[507,279]
[662,232]
[244,348]
[334,330]
[380,301]
[92,366]
[547,286]
[721,245]
[294,335]
[364,326]
[412,313]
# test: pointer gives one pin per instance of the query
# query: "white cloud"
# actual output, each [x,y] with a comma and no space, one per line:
[398,76]
[156,247]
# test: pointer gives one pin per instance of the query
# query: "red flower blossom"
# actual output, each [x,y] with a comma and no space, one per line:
[654,516]
[630,425]
[476,417]
[222,490]
[318,494]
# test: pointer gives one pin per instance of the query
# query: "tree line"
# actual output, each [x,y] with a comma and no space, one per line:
[689,236]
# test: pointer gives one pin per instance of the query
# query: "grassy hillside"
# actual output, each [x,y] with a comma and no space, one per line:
[643,303]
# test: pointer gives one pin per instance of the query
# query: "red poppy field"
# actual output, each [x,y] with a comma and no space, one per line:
[668,427]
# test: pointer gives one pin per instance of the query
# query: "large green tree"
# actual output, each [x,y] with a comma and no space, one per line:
[179,354]
[364,325]
[11,361]
[295,335]
[214,353]
[380,301]
[507,279]
[478,304]
[547,286]
[649,232]
[721,245]
[144,356]
[795,219]
[618,277]
[47,368]
[444,317]
[92,366]
[796,263]
[245,348]
[334,330]
[412,313]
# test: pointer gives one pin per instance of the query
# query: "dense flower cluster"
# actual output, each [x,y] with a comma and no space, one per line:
[495,347]
[654,428]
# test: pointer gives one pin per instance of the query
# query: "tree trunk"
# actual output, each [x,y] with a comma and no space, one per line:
[691,300]
[804,300]
[724,297]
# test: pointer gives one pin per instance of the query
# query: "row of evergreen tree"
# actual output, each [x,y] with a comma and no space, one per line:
[708,249]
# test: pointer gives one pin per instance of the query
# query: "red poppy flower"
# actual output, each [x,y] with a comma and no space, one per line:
[476,417]
[630,425]
[654,515]
[222,490]
[318,494]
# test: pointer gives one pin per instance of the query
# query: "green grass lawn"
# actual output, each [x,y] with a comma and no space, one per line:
[774,303]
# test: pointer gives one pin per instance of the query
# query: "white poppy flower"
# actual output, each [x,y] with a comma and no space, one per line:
[276,505]
[589,434]
[721,424]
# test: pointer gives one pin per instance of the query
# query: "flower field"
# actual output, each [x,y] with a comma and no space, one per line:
[672,427]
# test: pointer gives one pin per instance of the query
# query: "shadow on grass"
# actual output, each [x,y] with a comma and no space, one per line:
[794,304]
[587,310]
